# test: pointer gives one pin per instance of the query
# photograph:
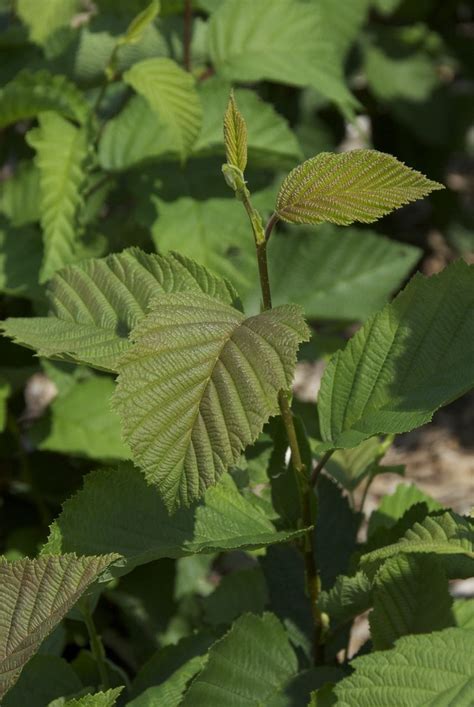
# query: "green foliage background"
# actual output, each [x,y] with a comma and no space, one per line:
[107,143]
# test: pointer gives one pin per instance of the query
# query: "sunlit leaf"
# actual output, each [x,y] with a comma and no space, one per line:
[197,386]
[360,185]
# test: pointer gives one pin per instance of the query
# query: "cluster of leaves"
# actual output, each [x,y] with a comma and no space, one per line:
[128,267]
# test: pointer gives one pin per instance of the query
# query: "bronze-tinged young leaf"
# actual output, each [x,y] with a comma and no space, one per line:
[95,304]
[235,135]
[198,385]
[34,596]
[361,185]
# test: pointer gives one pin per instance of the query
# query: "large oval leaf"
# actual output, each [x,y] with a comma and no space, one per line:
[361,185]
[408,360]
[199,384]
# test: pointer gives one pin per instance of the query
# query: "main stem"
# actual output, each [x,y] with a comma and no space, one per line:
[301,472]
[97,647]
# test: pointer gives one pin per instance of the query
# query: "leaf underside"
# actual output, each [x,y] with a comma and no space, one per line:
[35,596]
[94,305]
[360,185]
[198,385]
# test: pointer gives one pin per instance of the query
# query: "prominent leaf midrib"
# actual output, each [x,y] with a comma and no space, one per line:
[407,301]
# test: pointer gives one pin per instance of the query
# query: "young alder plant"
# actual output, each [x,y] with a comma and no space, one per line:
[197,380]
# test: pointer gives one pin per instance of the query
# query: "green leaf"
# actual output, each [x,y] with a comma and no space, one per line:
[341,188]
[433,670]
[343,21]
[82,423]
[463,611]
[61,150]
[99,699]
[392,507]
[238,592]
[43,679]
[283,566]
[168,660]
[197,386]
[20,195]
[171,692]
[31,93]
[250,665]
[214,233]
[171,93]
[270,139]
[138,25]
[35,596]
[347,598]
[335,273]
[284,41]
[95,304]
[21,252]
[448,535]
[54,15]
[350,466]
[407,361]
[400,592]
[335,532]
[121,145]
[235,135]
[399,72]
[118,510]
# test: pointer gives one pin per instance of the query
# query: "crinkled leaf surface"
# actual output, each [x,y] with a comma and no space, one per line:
[171,93]
[235,135]
[117,511]
[360,185]
[61,149]
[447,535]
[197,386]
[98,699]
[435,670]
[284,41]
[254,664]
[407,361]
[31,93]
[249,665]
[95,304]
[35,596]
